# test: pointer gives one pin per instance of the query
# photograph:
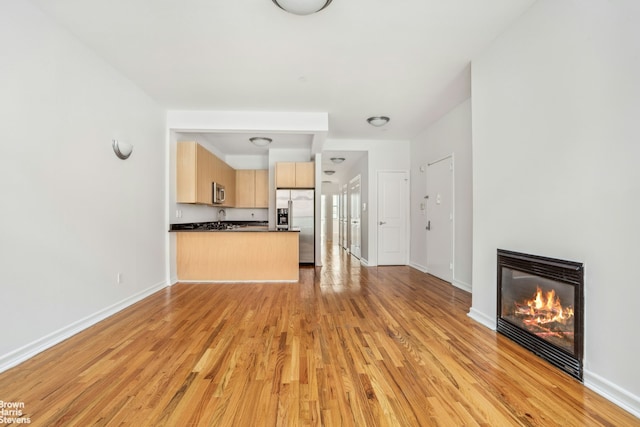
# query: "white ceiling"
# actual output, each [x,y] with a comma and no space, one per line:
[237,143]
[408,60]
[351,158]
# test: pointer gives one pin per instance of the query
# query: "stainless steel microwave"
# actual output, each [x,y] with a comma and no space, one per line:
[218,194]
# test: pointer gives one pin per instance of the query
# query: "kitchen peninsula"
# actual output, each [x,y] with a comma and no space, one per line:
[219,252]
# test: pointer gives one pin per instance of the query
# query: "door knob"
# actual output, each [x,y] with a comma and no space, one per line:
[428,225]
[382,222]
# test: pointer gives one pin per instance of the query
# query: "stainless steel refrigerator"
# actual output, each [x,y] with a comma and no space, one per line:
[301,208]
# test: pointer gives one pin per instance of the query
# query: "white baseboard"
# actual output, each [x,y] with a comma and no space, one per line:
[26,352]
[418,267]
[457,283]
[365,262]
[489,322]
[462,285]
[218,282]
[612,392]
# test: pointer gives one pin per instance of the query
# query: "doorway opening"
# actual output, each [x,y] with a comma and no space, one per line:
[329,218]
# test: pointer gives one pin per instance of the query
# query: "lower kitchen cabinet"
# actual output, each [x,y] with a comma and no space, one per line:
[238,256]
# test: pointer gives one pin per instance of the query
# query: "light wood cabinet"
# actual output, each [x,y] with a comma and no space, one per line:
[252,188]
[262,188]
[194,167]
[245,188]
[305,175]
[197,169]
[295,175]
[228,179]
[238,256]
[285,175]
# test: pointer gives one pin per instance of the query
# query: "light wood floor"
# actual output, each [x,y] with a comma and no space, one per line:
[347,346]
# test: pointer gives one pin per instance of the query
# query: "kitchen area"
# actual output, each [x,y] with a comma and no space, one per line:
[240,217]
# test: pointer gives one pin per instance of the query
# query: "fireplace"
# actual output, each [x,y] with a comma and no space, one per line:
[540,306]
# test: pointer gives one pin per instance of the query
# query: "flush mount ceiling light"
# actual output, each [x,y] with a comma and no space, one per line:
[378,121]
[302,7]
[337,159]
[329,172]
[260,141]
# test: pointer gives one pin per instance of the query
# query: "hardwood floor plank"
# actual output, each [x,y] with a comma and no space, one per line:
[346,346]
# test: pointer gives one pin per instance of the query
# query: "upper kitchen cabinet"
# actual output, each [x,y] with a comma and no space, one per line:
[252,188]
[262,188]
[197,169]
[194,169]
[295,175]
[228,179]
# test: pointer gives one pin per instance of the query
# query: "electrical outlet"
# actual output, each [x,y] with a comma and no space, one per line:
[178,213]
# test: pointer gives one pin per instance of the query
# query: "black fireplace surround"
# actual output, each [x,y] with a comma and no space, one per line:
[541,307]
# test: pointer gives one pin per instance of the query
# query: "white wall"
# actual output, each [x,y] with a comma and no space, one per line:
[449,135]
[73,214]
[556,103]
[381,156]
[247,161]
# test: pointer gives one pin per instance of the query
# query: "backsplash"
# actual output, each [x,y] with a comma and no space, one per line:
[236,214]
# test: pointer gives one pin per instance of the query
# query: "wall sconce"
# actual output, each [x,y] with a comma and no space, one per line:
[122,149]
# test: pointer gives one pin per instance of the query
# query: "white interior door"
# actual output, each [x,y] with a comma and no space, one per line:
[393,200]
[440,219]
[354,216]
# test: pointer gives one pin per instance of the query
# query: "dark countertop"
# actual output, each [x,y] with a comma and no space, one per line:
[226,226]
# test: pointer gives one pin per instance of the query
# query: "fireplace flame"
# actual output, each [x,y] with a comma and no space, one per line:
[544,308]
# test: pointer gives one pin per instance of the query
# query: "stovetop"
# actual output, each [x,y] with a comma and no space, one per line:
[219,225]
